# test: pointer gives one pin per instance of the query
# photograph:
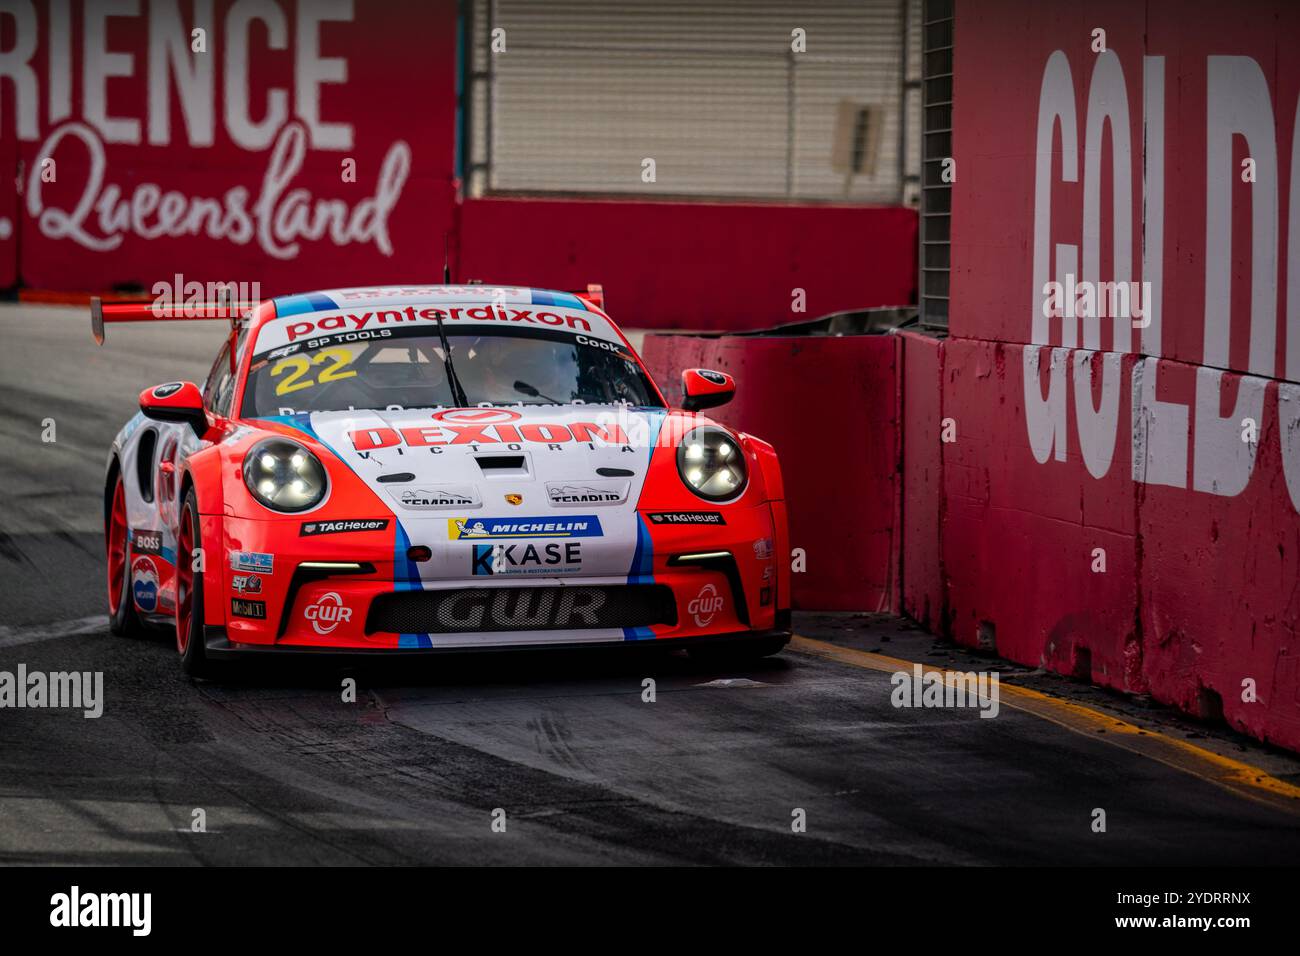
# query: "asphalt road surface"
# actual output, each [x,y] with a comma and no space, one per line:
[564,748]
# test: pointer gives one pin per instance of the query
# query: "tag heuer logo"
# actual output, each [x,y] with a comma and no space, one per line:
[345,525]
[514,499]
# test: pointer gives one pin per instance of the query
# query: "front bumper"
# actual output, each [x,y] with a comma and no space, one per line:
[218,646]
[323,592]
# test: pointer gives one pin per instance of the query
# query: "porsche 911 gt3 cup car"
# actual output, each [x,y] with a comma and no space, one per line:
[414,469]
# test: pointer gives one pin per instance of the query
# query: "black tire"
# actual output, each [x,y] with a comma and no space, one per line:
[122,620]
[194,661]
[737,652]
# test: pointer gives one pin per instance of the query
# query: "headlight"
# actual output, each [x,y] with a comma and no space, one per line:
[712,463]
[284,476]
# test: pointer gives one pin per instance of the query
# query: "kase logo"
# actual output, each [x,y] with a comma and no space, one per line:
[168,390]
[327,613]
[705,605]
[144,584]
[477,416]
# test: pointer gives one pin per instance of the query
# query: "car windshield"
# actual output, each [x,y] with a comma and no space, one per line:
[408,370]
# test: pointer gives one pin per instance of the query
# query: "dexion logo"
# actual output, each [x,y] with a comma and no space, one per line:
[327,613]
[449,432]
[579,526]
[705,605]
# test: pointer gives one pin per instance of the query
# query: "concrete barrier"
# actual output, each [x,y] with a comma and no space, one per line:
[828,406]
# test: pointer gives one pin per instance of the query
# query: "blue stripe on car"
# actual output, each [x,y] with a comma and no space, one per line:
[410,583]
[565,300]
[298,304]
[642,570]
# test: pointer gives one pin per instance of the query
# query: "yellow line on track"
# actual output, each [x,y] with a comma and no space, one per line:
[1225,772]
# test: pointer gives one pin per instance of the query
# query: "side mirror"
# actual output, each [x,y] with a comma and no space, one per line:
[705,388]
[179,402]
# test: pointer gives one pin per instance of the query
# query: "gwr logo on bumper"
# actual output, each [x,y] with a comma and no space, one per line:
[327,613]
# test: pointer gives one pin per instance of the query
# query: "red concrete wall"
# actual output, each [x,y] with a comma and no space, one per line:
[705,266]
[921,411]
[828,407]
[1075,438]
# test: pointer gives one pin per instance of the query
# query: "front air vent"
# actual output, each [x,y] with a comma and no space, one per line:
[396,476]
[503,466]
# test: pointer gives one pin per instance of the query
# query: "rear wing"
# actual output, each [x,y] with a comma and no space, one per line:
[158,310]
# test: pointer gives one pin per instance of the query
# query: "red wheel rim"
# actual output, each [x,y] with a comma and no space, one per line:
[184,579]
[116,541]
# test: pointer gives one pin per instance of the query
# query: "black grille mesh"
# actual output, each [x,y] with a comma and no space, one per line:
[546,608]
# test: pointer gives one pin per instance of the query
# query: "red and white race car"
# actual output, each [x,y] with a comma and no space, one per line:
[416,469]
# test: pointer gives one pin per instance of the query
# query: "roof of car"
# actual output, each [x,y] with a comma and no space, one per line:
[403,295]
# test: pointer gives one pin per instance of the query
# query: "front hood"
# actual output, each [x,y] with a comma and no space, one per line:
[563,479]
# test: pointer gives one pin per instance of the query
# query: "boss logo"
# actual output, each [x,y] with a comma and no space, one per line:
[148,542]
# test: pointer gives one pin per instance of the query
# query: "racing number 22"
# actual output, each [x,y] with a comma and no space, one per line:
[297,366]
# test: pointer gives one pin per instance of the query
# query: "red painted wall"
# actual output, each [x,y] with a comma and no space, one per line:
[828,407]
[1083,441]
[143,187]
[705,266]
[341,170]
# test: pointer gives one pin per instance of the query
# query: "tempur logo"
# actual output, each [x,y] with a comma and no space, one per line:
[76,909]
[922,688]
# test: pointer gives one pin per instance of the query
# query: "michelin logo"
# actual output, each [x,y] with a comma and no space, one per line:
[579,526]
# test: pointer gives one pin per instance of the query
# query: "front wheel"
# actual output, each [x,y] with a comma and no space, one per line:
[189,591]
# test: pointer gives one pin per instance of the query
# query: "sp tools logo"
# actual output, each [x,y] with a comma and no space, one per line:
[327,613]
[246,584]
[705,605]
